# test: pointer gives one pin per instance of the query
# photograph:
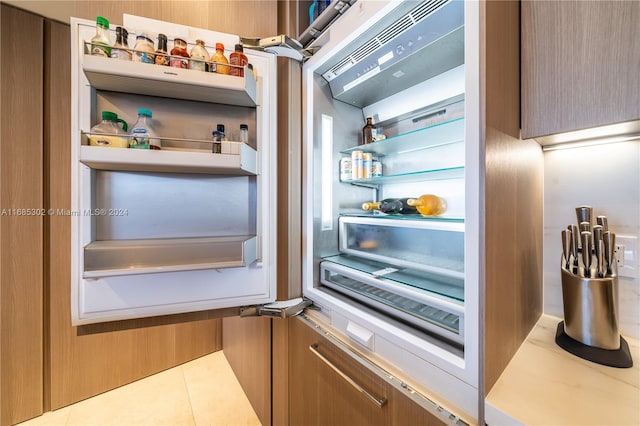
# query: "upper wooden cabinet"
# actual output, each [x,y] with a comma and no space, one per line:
[580,62]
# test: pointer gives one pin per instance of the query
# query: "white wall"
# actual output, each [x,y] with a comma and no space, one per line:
[606,177]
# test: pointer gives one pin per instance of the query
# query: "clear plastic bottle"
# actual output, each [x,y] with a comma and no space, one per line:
[142,134]
[120,49]
[144,51]
[199,57]
[100,45]
[240,59]
[179,54]
[218,58]
[107,132]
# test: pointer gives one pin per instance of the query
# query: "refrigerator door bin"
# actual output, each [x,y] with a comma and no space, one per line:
[429,311]
[133,257]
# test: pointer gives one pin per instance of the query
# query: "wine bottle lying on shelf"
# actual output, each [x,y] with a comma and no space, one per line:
[391,206]
[428,204]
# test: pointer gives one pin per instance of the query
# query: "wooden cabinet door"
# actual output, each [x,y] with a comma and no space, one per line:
[580,61]
[323,387]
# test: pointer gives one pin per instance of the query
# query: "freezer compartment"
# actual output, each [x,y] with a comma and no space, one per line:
[430,246]
[133,257]
[382,288]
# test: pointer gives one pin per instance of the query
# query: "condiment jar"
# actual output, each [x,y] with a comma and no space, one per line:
[100,45]
[106,133]
[142,134]
[199,57]
[218,137]
[179,52]
[144,51]
[218,58]
[162,55]
[120,49]
[239,59]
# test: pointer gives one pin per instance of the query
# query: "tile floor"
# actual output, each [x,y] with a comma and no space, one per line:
[201,392]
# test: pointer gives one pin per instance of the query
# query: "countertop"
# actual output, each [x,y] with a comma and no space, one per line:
[545,385]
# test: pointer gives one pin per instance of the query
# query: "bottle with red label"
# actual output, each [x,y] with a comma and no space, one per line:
[240,59]
[179,52]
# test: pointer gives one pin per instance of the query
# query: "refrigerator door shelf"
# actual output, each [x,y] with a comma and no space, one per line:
[134,257]
[143,160]
[170,82]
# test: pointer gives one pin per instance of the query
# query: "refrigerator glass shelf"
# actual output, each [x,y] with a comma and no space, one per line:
[169,82]
[148,256]
[450,287]
[242,162]
[421,176]
[383,216]
[446,133]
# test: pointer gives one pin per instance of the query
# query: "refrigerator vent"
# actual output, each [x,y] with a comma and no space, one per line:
[425,9]
[385,36]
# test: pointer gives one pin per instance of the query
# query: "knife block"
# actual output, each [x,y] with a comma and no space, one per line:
[590,326]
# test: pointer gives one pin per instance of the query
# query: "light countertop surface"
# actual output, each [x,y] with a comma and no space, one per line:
[545,385]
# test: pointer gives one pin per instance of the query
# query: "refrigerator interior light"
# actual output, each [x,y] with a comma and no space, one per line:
[326,214]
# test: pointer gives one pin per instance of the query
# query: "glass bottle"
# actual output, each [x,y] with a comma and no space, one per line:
[218,137]
[162,55]
[144,51]
[244,133]
[120,49]
[428,204]
[218,58]
[368,132]
[106,133]
[178,53]
[142,134]
[100,45]
[199,57]
[391,205]
[240,59]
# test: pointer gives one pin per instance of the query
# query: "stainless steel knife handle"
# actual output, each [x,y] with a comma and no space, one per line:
[575,242]
[585,227]
[602,221]
[600,258]
[586,252]
[566,246]
[584,214]
[609,239]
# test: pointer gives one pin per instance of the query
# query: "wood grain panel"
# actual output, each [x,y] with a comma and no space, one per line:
[319,396]
[580,64]
[513,200]
[85,361]
[247,346]
[21,249]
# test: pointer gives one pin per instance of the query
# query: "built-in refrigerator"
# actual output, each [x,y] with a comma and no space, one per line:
[190,228]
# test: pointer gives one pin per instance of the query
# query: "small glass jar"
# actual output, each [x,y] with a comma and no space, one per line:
[244,133]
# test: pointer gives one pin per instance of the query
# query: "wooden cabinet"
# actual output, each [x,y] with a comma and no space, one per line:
[580,61]
[329,387]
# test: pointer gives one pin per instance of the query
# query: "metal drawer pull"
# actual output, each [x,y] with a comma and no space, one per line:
[379,402]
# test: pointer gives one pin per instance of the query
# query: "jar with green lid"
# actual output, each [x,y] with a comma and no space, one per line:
[108,133]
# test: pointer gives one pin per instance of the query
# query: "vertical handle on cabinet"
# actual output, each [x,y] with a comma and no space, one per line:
[378,401]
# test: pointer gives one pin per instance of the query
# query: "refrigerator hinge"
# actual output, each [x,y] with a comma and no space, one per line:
[281,309]
[280,45]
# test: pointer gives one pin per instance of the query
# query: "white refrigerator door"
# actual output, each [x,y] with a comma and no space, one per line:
[180,229]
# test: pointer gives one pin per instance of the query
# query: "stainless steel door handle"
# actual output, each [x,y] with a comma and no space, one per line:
[378,401]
